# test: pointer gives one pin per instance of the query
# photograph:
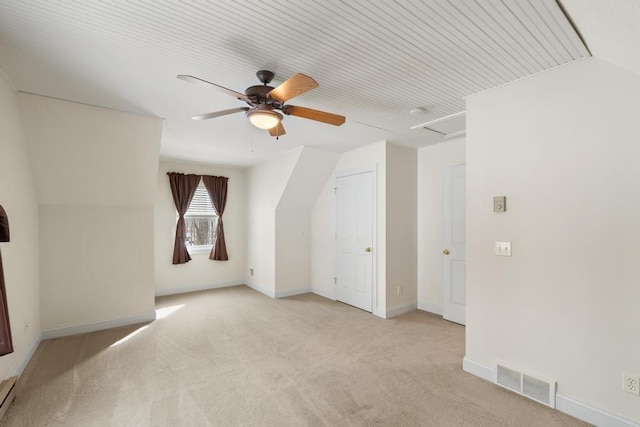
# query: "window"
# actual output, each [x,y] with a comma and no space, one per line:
[200,222]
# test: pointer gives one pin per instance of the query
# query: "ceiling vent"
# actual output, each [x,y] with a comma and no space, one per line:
[450,127]
[540,389]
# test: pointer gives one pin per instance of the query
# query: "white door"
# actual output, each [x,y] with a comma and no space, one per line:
[454,251]
[354,240]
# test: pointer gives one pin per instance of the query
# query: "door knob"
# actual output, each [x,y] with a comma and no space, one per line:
[446,252]
[367,249]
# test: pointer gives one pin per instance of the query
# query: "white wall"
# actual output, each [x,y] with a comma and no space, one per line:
[401,229]
[563,148]
[20,255]
[323,224]
[96,264]
[95,172]
[265,185]
[323,242]
[200,272]
[293,219]
[280,195]
[293,252]
[432,161]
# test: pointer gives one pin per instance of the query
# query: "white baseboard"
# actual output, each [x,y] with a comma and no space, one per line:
[292,292]
[431,308]
[400,309]
[82,328]
[278,294]
[267,292]
[479,370]
[27,356]
[325,294]
[379,312]
[182,290]
[564,404]
[590,414]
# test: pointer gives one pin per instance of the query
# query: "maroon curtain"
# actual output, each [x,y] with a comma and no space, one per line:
[217,189]
[183,187]
[6,343]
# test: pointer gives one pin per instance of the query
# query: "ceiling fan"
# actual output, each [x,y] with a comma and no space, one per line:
[264,100]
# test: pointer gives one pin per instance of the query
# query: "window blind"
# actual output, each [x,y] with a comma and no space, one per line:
[201,204]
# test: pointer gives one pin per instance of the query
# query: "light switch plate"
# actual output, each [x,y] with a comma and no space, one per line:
[500,204]
[503,248]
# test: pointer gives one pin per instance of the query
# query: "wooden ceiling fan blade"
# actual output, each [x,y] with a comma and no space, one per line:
[292,87]
[318,116]
[277,130]
[219,113]
[205,83]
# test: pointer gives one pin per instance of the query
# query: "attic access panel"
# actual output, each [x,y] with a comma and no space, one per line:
[451,126]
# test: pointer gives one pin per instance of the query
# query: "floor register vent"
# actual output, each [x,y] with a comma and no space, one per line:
[538,388]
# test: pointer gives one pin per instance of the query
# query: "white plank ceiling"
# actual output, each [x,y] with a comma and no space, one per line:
[374,61]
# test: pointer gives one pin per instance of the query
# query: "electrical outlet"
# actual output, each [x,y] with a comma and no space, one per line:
[631,383]
[251,272]
[399,290]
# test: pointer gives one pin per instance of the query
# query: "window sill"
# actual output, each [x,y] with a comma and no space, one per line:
[195,250]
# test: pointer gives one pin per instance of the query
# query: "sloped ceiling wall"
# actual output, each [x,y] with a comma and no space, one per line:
[610,29]
[95,172]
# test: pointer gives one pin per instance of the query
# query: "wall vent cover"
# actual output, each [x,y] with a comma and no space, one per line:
[534,387]
[509,378]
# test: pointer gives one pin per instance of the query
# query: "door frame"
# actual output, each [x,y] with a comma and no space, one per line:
[374,233]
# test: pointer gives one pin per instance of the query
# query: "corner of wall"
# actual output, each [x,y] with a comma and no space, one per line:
[293,218]
[73,197]
[566,166]
[401,229]
[266,183]
[20,256]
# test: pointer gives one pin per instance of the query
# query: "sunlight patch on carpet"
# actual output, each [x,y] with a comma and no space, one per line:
[128,337]
[161,313]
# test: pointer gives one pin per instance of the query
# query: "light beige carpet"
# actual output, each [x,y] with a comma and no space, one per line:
[233,356]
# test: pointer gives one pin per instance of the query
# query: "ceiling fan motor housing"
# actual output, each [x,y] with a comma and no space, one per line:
[257,95]
[258,91]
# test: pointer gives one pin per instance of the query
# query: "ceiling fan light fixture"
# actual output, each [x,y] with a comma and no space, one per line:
[264,119]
